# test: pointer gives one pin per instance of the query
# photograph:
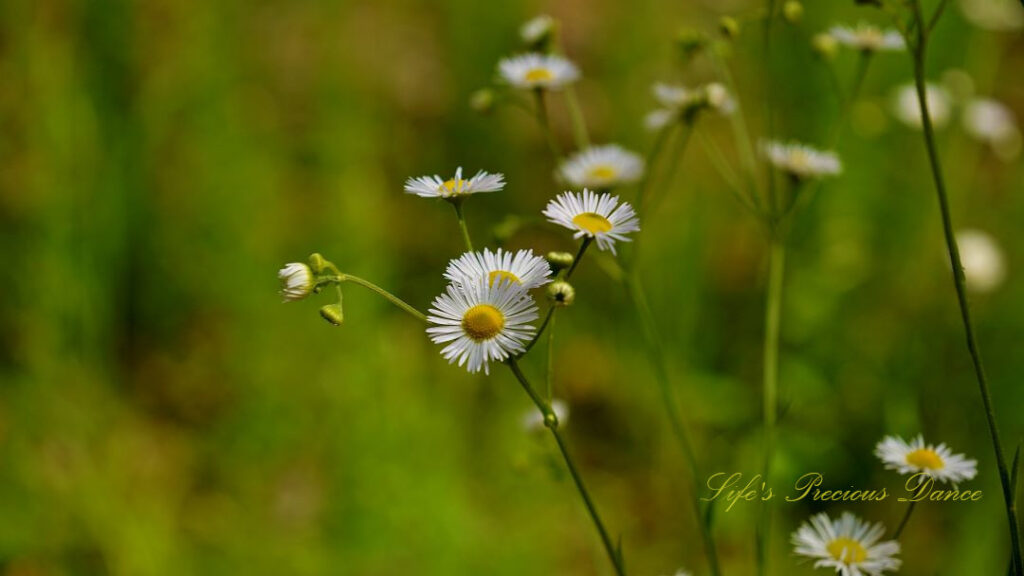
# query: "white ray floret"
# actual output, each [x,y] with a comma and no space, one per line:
[915,457]
[907,108]
[481,322]
[533,70]
[296,281]
[437,187]
[678,102]
[602,167]
[868,38]
[800,160]
[601,217]
[848,545]
[523,267]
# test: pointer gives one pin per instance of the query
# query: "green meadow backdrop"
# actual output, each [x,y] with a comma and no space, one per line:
[163,413]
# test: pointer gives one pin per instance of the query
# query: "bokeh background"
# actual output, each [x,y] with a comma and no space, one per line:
[161,412]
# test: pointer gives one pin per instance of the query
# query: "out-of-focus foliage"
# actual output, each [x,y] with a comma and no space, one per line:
[161,412]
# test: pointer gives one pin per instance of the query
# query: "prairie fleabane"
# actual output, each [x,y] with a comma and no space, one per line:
[436,187]
[801,161]
[296,281]
[848,545]
[868,38]
[600,217]
[481,322]
[679,102]
[915,457]
[602,167]
[523,267]
[543,71]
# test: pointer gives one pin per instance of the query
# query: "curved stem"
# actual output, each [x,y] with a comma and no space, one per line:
[462,223]
[903,523]
[387,295]
[773,308]
[652,158]
[551,421]
[579,124]
[579,255]
[545,123]
[961,289]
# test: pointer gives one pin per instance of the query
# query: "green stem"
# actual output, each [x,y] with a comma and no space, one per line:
[903,523]
[579,124]
[548,374]
[387,295]
[551,421]
[545,123]
[457,203]
[579,255]
[773,309]
[959,283]
[652,157]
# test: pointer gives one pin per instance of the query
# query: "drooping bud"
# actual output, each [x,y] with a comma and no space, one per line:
[333,314]
[825,46]
[729,27]
[561,293]
[559,260]
[296,281]
[793,11]
[317,263]
[482,101]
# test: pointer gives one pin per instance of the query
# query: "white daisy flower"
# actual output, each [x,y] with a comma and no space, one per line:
[602,167]
[659,118]
[482,322]
[868,38]
[993,123]
[533,420]
[996,15]
[982,259]
[602,217]
[849,545]
[915,457]
[801,161]
[435,187]
[524,268]
[537,29]
[296,281]
[679,101]
[908,110]
[546,71]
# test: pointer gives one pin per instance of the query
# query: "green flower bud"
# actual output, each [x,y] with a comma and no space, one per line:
[793,11]
[317,263]
[559,260]
[482,101]
[333,314]
[729,27]
[561,293]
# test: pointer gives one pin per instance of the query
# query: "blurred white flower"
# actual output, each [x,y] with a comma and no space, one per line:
[482,322]
[982,258]
[537,29]
[296,281]
[679,102]
[868,38]
[602,167]
[907,108]
[544,71]
[602,217]
[993,123]
[916,457]
[523,267]
[849,545]
[997,15]
[533,420]
[435,187]
[801,161]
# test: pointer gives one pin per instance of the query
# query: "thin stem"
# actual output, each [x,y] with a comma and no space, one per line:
[462,224]
[726,172]
[903,523]
[545,124]
[549,372]
[579,124]
[652,157]
[540,331]
[773,308]
[551,421]
[961,288]
[738,121]
[579,256]
[387,295]
[551,310]
[768,98]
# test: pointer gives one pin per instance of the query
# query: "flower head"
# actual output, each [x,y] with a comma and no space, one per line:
[436,187]
[602,167]
[524,268]
[679,102]
[533,70]
[296,281]
[982,259]
[993,123]
[601,217]
[480,322]
[916,457]
[801,161]
[849,545]
[868,38]
[907,108]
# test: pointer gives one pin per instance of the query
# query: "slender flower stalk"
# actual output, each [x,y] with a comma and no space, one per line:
[919,52]
[341,277]
[579,124]
[903,523]
[541,109]
[551,422]
[462,224]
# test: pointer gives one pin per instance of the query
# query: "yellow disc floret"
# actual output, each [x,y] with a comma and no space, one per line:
[483,322]
[591,222]
[925,458]
[847,550]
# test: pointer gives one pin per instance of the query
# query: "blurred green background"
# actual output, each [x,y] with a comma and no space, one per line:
[161,412]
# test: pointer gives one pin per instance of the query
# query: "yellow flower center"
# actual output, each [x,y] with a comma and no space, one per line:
[591,222]
[453,186]
[603,172]
[483,322]
[847,550]
[499,275]
[539,75]
[925,458]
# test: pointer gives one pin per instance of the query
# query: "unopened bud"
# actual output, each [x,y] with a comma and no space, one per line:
[793,11]
[333,314]
[729,27]
[538,31]
[561,293]
[559,260]
[296,281]
[825,46]
[317,263]
[482,101]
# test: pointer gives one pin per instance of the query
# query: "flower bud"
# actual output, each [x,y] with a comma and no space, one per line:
[538,31]
[317,263]
[559,260]
[561,293]
[729,27]
[825,46]
[793,11]
[296,281]
[482,101]
[690,42]
[333,314]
